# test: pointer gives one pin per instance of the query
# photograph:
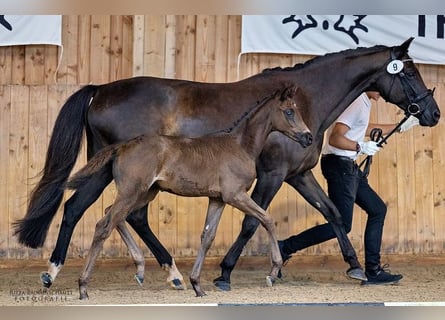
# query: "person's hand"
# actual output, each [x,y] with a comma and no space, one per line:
[369,148]
[408,124]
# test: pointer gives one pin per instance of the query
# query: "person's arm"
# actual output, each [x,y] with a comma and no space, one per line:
[338,140]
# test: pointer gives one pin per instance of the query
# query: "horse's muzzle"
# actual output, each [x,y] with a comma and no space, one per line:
[305,139]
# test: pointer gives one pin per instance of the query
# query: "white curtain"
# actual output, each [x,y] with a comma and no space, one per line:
[30,29]
[318,34]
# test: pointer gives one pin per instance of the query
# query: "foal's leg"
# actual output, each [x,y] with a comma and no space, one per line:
[214,212]
[244,203]
[135,251]
[116,214]
[265,189]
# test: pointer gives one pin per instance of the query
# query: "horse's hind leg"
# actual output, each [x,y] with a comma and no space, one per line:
[308,187]
[135,251]
[214,212]
[139,222]
[73,210]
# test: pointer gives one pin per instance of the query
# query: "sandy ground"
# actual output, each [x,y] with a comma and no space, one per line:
[306,280]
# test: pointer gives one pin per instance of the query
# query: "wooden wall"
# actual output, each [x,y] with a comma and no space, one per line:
[35,81]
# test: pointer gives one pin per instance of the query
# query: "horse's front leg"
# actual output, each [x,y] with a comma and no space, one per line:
[214,212]
[244,203]
[309,188]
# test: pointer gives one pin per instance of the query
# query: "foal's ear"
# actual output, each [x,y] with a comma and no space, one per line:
[289,92]
[403,48]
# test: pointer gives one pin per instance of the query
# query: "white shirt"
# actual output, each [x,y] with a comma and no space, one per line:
[356,117]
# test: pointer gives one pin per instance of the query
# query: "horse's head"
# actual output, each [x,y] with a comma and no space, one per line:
[288,119]
[402,84]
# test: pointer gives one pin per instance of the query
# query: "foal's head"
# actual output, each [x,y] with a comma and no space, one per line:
[288,118]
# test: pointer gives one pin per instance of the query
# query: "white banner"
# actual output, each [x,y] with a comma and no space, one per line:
[22,30]
[318,34]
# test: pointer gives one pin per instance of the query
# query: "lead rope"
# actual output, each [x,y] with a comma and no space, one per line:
[377,136]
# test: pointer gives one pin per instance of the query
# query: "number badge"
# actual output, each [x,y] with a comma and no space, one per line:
[394,67]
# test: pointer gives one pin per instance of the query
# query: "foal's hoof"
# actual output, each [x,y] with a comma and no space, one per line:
[270,281]
[177,284]
[222,284]
[357,274]
[83,296]
[46,279]
[139,279]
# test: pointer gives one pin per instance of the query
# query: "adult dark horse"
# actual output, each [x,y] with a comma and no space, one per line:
[125,109]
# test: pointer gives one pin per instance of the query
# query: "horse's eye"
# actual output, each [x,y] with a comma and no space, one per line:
[289,112]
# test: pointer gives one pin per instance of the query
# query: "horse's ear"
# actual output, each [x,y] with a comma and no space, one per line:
[289,92]
[403,48]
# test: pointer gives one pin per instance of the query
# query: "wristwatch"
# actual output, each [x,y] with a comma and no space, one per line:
[357,147]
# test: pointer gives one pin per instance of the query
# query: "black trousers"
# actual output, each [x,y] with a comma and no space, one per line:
[346,186]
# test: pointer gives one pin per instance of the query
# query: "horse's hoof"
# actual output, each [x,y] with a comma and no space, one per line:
[201,294]
[270,281]
[84,296]
[177,284]
[46,279]
[139,279]
[357,274]
[222,284]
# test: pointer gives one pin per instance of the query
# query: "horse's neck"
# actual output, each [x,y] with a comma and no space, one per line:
[347,81]
[252,133]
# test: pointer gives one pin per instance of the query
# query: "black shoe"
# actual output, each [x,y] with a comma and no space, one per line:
[381,276]
[284,256]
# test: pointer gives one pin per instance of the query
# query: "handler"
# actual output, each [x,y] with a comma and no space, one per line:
[348,185]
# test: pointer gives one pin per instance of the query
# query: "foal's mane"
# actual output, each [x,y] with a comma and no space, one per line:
[348,53]
[246,115]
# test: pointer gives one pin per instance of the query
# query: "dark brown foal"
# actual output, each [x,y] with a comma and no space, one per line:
[220,166]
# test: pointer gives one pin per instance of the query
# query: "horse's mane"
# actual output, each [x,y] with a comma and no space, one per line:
[350,53]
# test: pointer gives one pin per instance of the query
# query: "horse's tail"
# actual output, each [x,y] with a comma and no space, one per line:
[94,165]
[61,156]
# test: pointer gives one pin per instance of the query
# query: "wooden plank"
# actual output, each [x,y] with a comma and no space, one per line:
[406,201]
[138,45]
[18,163]
[18,65]
[5,116]
[68,68]
[424,190]
[51,64]
[186,40]
[387,185]
[154,50]
[84,51]
[170,47]
[205,48]
[5,65]
[116,47]
[34,64]
[233,47]
[100,49]
[438,185]
[127,46]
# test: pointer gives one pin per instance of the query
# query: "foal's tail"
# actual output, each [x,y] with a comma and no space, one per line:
[94,165]
[61,156]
